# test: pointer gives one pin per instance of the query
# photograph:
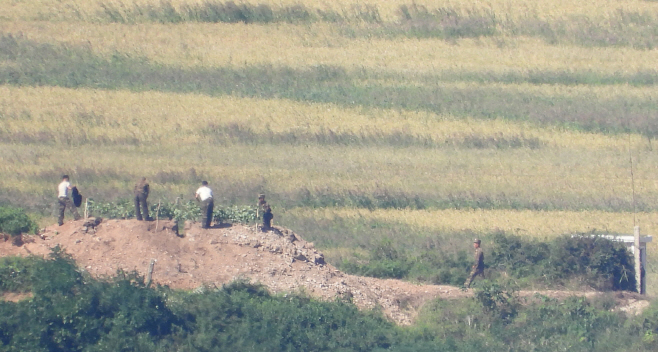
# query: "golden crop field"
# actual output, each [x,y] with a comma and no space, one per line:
[76,9]
[538,225]
[527,133]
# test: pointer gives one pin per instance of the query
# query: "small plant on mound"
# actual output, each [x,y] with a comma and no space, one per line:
[180,211]
[15,221]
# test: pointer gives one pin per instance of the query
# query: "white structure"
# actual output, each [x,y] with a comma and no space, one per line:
[629,241]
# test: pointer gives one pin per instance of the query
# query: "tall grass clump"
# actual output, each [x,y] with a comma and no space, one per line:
[447,23]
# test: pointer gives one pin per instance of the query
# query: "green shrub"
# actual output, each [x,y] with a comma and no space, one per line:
[15,221]
[600,263]
[181,211]
[17,273]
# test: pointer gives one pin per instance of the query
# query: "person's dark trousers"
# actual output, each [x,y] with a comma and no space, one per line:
[206,212]
[267,220]
[141,199]
[63,203]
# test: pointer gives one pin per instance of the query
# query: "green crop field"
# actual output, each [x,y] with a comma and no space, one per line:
[403,121]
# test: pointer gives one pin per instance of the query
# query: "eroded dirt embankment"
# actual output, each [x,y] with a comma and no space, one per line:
[279,259]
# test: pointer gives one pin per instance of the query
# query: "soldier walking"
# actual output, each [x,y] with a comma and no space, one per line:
[204,195]
[64,200]
[478,266]
[141,192]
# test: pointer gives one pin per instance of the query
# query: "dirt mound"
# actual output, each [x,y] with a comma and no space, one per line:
[279,259]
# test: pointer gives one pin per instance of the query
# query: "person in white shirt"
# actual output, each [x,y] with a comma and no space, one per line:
[204,195]
[65,201]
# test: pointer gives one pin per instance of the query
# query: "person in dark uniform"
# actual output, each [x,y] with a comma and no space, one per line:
[204,195]
[141,192]
[64,201]
[267,218]
[478,266]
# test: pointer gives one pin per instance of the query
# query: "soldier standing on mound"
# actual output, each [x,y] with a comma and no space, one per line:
[64,200]
[141,192]
[478,266]
[260,208]
[204,195]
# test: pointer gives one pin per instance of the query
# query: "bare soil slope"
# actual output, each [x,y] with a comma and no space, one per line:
[279,259]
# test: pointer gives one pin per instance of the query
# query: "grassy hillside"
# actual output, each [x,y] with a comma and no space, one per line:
[362,122]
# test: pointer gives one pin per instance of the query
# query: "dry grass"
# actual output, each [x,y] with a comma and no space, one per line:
[156,117]
[163,132]
[83,9]
[237,45]
[536,224]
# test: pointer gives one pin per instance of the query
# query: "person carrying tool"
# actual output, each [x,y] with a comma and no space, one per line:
[64,201]
[204,195]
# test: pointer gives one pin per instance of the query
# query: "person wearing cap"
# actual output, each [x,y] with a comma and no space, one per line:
[64,201]
[478,266]
[204,195]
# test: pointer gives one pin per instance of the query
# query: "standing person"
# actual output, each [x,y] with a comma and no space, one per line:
[478,266]
[64,200]
[267,218]
[141,192]
[261,204]
[204,195]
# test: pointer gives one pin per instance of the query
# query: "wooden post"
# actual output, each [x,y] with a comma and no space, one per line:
[86,208]
[638,263]
[157,217]
[150,273]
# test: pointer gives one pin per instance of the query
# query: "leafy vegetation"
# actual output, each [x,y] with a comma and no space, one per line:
[15,221]
[71,311]
[181,211]
[583,260]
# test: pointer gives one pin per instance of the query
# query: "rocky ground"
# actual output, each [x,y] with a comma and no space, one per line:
[278,259]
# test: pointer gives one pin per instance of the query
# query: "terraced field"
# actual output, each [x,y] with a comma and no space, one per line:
[362,122]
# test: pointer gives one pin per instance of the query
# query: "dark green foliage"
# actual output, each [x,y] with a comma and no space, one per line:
[246,318]
[17,274]
[70,311]
[14,221]
[504,304]
[596,261]
[388,261]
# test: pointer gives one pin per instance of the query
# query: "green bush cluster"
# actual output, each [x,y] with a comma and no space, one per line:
[583,259]
[14,221]
[595,261]
[181,211]
[71,311]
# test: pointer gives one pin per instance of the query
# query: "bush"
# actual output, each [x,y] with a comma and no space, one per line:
[600,263]
[181,211]
[15,221]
